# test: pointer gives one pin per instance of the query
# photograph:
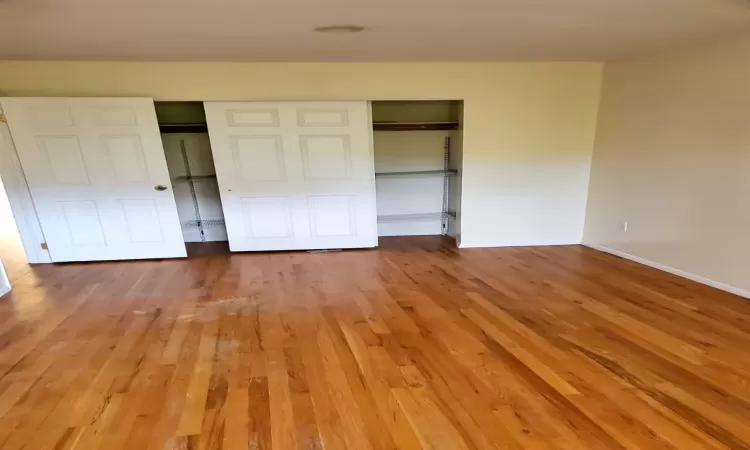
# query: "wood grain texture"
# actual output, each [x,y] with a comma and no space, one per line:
[412,345]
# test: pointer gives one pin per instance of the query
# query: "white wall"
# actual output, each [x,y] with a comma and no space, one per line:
[528,127]
[672,159]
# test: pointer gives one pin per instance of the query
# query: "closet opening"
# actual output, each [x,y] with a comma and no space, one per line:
[418,167]
[184,134]
[418,156]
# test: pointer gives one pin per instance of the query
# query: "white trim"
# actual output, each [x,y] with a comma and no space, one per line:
[20,199]
[536,243]
[672,270]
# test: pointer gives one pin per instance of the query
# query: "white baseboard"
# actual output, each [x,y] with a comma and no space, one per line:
[471,244]
[672,270]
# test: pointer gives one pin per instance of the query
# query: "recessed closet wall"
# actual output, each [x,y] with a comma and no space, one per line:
[187,147]
[417,146]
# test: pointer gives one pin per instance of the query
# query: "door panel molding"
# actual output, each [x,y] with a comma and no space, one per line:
[91,165]
[295,175]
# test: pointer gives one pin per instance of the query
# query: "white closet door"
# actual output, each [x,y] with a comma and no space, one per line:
[98,177]
[295,175]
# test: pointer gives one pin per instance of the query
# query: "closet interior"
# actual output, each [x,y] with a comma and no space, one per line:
[418,165]
[418,155]
[184,134]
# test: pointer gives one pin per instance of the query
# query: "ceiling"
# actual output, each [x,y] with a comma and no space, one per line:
[398,30]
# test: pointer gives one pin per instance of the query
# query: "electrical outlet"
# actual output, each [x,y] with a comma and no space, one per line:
[624,227]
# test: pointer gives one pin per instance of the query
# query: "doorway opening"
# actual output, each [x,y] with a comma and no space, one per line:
[418,148]
[184,134]
[418,170]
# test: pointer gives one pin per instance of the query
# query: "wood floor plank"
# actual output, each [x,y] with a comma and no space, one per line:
[379,385]
[283,432]
[433,429]
[194,408]
[237,423]
[526,358]
[415,344]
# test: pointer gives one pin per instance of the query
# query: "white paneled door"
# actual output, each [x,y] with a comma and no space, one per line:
[98,177]
[295,175]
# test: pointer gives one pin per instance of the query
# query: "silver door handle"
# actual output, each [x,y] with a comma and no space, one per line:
[160,187]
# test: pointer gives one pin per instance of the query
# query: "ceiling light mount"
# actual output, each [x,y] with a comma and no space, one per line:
[339,29]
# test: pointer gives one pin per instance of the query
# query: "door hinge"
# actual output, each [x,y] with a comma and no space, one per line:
[2,118]
[44,246]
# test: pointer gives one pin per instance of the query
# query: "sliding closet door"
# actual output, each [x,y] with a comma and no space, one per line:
[98,177]
[295,175]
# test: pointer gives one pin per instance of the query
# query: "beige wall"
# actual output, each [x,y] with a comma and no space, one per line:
[528,138]
[672,158]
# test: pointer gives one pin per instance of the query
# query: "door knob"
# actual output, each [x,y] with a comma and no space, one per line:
[160,187]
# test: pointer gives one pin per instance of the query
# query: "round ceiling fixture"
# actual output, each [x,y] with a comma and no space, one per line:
[340,29]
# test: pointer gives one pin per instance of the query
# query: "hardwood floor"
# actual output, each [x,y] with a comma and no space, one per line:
[412,345]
